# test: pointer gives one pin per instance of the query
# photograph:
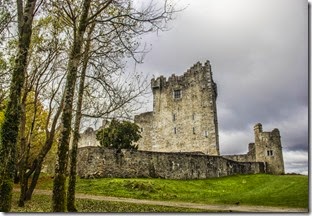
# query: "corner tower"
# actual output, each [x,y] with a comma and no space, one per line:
[268,148]
[184,117]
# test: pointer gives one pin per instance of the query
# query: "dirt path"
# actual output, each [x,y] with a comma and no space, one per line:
[214,207]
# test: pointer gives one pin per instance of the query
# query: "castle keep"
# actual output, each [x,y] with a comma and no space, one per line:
[184,117]
[180,137]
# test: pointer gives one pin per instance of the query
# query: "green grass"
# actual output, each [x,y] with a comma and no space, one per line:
[42,203]
[259,189]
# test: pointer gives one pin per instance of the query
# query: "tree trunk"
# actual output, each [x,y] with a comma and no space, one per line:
[37,164]
[25,148]
[21,166]
[59,193]
[73,157]
[11,122]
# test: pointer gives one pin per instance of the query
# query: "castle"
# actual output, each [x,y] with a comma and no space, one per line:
[182,129]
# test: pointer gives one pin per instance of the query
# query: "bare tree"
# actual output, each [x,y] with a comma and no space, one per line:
[39,78]
[59,194]
[72,174]
[119,21]
[48,76]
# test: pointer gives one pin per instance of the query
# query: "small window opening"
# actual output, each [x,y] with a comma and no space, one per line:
[193,130]
[142,129]
[173,117]
[270,153]
[175,130]
[177,94]
[206,133]
[193,117]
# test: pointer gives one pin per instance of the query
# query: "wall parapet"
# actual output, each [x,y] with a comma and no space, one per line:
[194,71]
[98,162]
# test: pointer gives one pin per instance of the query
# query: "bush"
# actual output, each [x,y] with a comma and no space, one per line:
[119,135]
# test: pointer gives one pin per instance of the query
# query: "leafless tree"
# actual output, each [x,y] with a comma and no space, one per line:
[121,23]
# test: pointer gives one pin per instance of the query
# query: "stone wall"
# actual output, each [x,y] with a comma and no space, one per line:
[88,138]
[97,162]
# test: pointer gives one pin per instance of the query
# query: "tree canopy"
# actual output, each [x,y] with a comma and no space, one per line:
[119,135]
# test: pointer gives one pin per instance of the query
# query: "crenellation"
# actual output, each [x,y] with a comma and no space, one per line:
[195,73]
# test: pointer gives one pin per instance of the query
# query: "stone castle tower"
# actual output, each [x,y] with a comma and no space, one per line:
[268,148]
[184,117]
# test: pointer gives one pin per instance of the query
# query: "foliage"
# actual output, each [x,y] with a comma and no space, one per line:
[119,135]
[37,138]
[43,43]
[1,114]
[5,17]
[1,121]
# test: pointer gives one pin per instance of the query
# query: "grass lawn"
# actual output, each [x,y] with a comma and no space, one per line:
[260,189]
[42,203]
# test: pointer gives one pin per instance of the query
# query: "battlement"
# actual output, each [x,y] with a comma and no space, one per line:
[259,131]
[197,71]
[143,117]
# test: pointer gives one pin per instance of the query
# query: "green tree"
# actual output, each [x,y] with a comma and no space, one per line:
[119,135]
[32,135]
[9,129]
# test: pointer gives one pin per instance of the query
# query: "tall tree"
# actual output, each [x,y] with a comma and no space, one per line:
[59,193]
[73,157]
[118,20]
[44,53]
[9,130]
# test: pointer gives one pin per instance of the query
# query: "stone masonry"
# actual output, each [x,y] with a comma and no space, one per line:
[266,148]
[97,162]
[184,117]
[88,138]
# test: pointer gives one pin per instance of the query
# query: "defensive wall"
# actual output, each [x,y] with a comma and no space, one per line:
[98,162]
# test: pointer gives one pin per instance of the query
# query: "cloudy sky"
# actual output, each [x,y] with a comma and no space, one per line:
[258,50]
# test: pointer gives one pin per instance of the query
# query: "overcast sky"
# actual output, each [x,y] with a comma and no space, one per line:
[258,50]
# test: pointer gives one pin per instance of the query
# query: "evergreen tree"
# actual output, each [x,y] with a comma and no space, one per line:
[119,135]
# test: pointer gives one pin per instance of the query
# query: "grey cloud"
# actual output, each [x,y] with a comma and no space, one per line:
[258,52]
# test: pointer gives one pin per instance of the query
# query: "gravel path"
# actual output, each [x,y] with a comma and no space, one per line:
[216,207]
